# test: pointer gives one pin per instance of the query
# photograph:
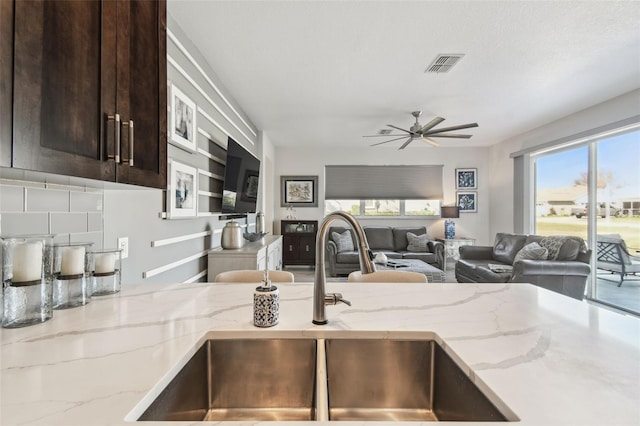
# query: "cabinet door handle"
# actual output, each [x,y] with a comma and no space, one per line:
[290,247]
[116,119]
[131,143]
[307,247]
[130,135]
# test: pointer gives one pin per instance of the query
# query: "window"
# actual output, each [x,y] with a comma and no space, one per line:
[422,208]
[385,208]
[589,189]
[382,207]
[384,191]
[349,206]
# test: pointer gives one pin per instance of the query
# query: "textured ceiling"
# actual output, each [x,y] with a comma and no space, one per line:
[328,72]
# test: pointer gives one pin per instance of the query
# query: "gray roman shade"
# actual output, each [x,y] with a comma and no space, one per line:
[383,182]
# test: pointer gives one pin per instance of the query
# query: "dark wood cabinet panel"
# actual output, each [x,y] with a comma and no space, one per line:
[89,89]
[307,248]
[6,82]
[299,242]
[142,92]
[59,97]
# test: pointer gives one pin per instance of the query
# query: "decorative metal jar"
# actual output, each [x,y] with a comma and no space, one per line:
[232,236]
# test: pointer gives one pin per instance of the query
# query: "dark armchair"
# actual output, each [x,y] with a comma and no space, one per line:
[565,272]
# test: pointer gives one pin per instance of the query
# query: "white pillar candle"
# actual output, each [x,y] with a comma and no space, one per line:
[72,261]
[105,262]
[27,261]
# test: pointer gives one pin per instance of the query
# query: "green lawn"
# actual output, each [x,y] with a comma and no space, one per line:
[627,227]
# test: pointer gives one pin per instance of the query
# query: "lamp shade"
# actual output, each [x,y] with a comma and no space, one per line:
[450,212]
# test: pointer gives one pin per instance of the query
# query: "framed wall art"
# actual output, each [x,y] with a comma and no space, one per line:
[299,191]
[467,201]
[467,179]
[182,120]
[182,194]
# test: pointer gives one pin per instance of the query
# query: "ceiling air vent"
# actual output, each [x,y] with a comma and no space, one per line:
[444,62]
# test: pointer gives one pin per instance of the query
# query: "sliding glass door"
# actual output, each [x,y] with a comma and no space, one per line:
[618,221]
[606,171]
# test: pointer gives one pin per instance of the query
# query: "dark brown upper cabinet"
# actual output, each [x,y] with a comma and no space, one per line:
[6,81]
[89,89]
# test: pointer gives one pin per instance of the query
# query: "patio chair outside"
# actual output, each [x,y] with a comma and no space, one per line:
[613,255]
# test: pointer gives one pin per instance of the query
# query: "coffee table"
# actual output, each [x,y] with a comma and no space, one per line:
[433,274]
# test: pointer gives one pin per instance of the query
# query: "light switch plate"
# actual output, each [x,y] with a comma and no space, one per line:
[123,244]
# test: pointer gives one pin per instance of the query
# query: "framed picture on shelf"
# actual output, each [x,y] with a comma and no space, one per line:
[298,191]
[182,120]
[467,179]
[182,194]
[467,201]
[250,189]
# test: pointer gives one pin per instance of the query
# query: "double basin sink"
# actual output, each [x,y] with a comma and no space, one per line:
[306,379]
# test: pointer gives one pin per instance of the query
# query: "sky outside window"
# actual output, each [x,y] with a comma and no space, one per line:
[620,155]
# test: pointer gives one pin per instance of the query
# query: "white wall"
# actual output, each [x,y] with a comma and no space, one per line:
[175,250]
[311,161]
[268,173]
[501,165]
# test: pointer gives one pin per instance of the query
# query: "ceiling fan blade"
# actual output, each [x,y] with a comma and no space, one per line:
[450,135]
[398,128]
[380,143]
[447,129]
[382,136]
[431,124]
[404,145]
[429,141]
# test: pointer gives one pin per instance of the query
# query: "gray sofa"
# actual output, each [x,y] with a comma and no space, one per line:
[392,241]
[565,271]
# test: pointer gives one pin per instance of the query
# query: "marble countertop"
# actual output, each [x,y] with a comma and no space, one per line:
[549,358]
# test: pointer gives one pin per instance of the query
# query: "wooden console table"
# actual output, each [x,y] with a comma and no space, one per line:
[251,256]
[299,241]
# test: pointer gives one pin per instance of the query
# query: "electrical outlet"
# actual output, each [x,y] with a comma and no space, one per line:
[123,244]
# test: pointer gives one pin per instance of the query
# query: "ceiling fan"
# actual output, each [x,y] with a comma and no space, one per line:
[424,133]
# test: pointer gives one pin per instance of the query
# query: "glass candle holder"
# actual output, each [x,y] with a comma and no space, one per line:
[71,275]
[106,267]
[27,275]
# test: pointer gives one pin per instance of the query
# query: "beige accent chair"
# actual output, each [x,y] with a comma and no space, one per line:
[253,276]
[388,277]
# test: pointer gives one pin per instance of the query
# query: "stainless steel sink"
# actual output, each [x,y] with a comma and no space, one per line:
[362,379]
[242,379]
[400,380]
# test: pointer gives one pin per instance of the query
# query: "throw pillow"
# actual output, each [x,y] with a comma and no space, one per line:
[532,251]
[553,244]
[417,243]
[343,241]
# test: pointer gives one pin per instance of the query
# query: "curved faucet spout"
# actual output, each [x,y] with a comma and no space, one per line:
[320,299]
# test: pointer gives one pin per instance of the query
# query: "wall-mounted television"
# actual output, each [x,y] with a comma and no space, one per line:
[241,178]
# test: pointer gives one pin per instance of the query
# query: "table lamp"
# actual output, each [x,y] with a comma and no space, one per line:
[449,213]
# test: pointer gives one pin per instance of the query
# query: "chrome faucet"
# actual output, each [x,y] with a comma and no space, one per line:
[320,298]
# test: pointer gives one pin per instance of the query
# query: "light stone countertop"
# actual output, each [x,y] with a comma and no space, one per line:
[549,358]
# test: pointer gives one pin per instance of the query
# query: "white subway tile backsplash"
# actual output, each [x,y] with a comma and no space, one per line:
[11,198]
[71,213]
[94,222]
[68,223]
[25,223]
[88,237]
[85,201]
[47,200]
